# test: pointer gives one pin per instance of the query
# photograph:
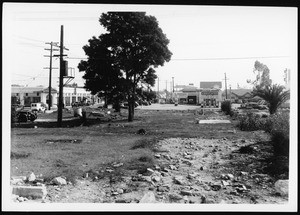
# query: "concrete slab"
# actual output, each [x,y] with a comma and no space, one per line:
[213,121]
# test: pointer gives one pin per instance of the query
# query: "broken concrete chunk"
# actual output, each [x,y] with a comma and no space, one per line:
[172,167]
[31,177]
[179,180]
[186,192]
[117,165]
[59,181]
[282,187]
[28,191]
[156,178]
[175,196]
[148,197]
[157,155]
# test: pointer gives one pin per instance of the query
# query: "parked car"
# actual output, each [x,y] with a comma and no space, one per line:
[37,107]
[125,105]
[26,115]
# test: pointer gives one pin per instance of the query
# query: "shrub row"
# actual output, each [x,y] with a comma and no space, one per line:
[276,124]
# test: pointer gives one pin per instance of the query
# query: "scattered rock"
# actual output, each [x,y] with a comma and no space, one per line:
[31,177]
[148,197]
[209,201]
[156,178]
[222,202]
[157,155]
[141,131]
[187,162]
[179,180]
[163,189]
[118,165]
[203,168]
[192,175]
[189,157]
[172,167]
[225,183]
[186,192]
[59,181]
[123,200]
[230,176]
[216,187]
[244,173]
[120,190]
[21,199]
[282,187]
[156,167]
[109,170]
[175,196]
[149,172]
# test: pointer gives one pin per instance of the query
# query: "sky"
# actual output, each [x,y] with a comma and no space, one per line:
[206,41]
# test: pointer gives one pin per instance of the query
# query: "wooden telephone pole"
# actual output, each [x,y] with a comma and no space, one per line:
[62,73]
[50,71]
[225,85]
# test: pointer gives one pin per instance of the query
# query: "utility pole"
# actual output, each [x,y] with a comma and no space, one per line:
[50,71]
[173,83]
[62,72]
[230,92]
[225,85]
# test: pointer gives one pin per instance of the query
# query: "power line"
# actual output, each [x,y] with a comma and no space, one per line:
[229,58]
[195,59]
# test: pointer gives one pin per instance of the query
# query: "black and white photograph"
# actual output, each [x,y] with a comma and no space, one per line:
[149,107]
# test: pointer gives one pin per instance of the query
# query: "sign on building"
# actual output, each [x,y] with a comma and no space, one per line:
[210,92]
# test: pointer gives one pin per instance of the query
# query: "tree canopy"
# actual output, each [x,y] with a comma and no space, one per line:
[263,75]
[125,56]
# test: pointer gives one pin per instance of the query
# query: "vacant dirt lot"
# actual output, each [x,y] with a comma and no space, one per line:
[163,156]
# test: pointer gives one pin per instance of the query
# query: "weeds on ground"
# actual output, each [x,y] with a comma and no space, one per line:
[15,155]
[142,163]
[145,143]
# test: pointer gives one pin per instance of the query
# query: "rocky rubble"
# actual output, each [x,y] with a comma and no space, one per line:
[32,187]
[188,171]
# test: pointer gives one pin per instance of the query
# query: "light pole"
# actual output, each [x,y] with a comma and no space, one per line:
[173,83]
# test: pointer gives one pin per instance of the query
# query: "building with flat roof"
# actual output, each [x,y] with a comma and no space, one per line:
[27,95]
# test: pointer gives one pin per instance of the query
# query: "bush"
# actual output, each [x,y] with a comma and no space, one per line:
[277,125]
[279,128]
[226,107]
[251,122]
[13,115]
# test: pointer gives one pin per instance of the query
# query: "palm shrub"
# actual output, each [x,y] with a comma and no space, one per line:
[226,107]
[274,95]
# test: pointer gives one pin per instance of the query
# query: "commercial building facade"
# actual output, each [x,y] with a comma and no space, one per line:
[208,95]
[27,95]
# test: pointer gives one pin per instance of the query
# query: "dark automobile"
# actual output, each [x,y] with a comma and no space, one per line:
[25,115]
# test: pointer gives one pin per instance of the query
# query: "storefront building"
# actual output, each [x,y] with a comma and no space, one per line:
[27,95]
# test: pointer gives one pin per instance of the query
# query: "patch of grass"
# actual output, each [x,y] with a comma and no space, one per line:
[20,155]
[141,163]
[145,143]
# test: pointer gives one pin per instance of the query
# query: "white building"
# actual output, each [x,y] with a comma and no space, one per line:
[27,95]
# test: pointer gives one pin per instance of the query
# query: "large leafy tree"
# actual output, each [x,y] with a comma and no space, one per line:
[134,45]
[274,94]
[263,75]
[101,77]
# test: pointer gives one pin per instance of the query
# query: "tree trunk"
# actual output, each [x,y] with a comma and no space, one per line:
[130,109]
